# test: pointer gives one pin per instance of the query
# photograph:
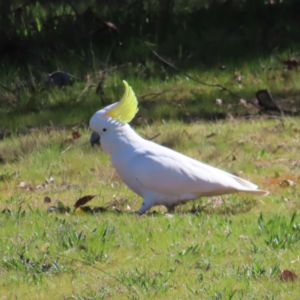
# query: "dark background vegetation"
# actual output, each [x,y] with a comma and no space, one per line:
[40,37]
[38,34]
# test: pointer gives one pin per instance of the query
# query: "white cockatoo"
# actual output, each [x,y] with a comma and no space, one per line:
[159,175]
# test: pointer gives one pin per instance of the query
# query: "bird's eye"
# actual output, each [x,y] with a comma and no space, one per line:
[104,129]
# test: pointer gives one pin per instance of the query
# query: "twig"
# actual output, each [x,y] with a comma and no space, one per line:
[154,95]
[230,154]
[85,90]
[192,77]
[68,148]
[107,70]
[87,87]
[154,137]
[261,117]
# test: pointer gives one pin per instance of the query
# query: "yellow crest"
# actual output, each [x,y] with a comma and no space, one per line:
[126,108]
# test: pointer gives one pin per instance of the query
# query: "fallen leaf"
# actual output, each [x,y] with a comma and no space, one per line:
[291,63]
[286,183]
[47,199]
[76,135]
[210,135]
[287,275]
[83,200]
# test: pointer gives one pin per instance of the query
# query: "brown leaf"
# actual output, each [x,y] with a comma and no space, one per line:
[47,199]
[291,63]
[76,135]
[210,135]
[287,275]
[286,183]
[83,200]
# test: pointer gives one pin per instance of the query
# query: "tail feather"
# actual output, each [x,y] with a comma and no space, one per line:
[255,192]
[249,187]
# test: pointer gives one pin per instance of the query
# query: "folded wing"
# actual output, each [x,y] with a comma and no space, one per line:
[172,173]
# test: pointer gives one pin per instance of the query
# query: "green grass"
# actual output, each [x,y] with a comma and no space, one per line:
[229,248]
[174,96]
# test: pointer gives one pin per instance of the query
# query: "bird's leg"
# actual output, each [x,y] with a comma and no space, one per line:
[147,204]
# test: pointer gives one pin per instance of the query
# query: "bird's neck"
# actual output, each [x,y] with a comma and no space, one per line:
[122,139]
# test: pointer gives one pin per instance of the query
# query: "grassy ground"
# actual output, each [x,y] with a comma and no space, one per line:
[218,248]
[165,94]
[231,247]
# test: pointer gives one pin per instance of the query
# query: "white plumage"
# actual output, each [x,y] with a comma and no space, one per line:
[158,174]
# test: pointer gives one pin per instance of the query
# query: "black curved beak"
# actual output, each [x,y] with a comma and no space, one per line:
[95,138]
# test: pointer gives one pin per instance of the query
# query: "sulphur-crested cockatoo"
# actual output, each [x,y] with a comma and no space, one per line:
[158,174]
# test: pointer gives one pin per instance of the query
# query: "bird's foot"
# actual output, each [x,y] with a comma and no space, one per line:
[137,212]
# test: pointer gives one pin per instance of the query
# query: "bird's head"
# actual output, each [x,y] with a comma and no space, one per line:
[114,116]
